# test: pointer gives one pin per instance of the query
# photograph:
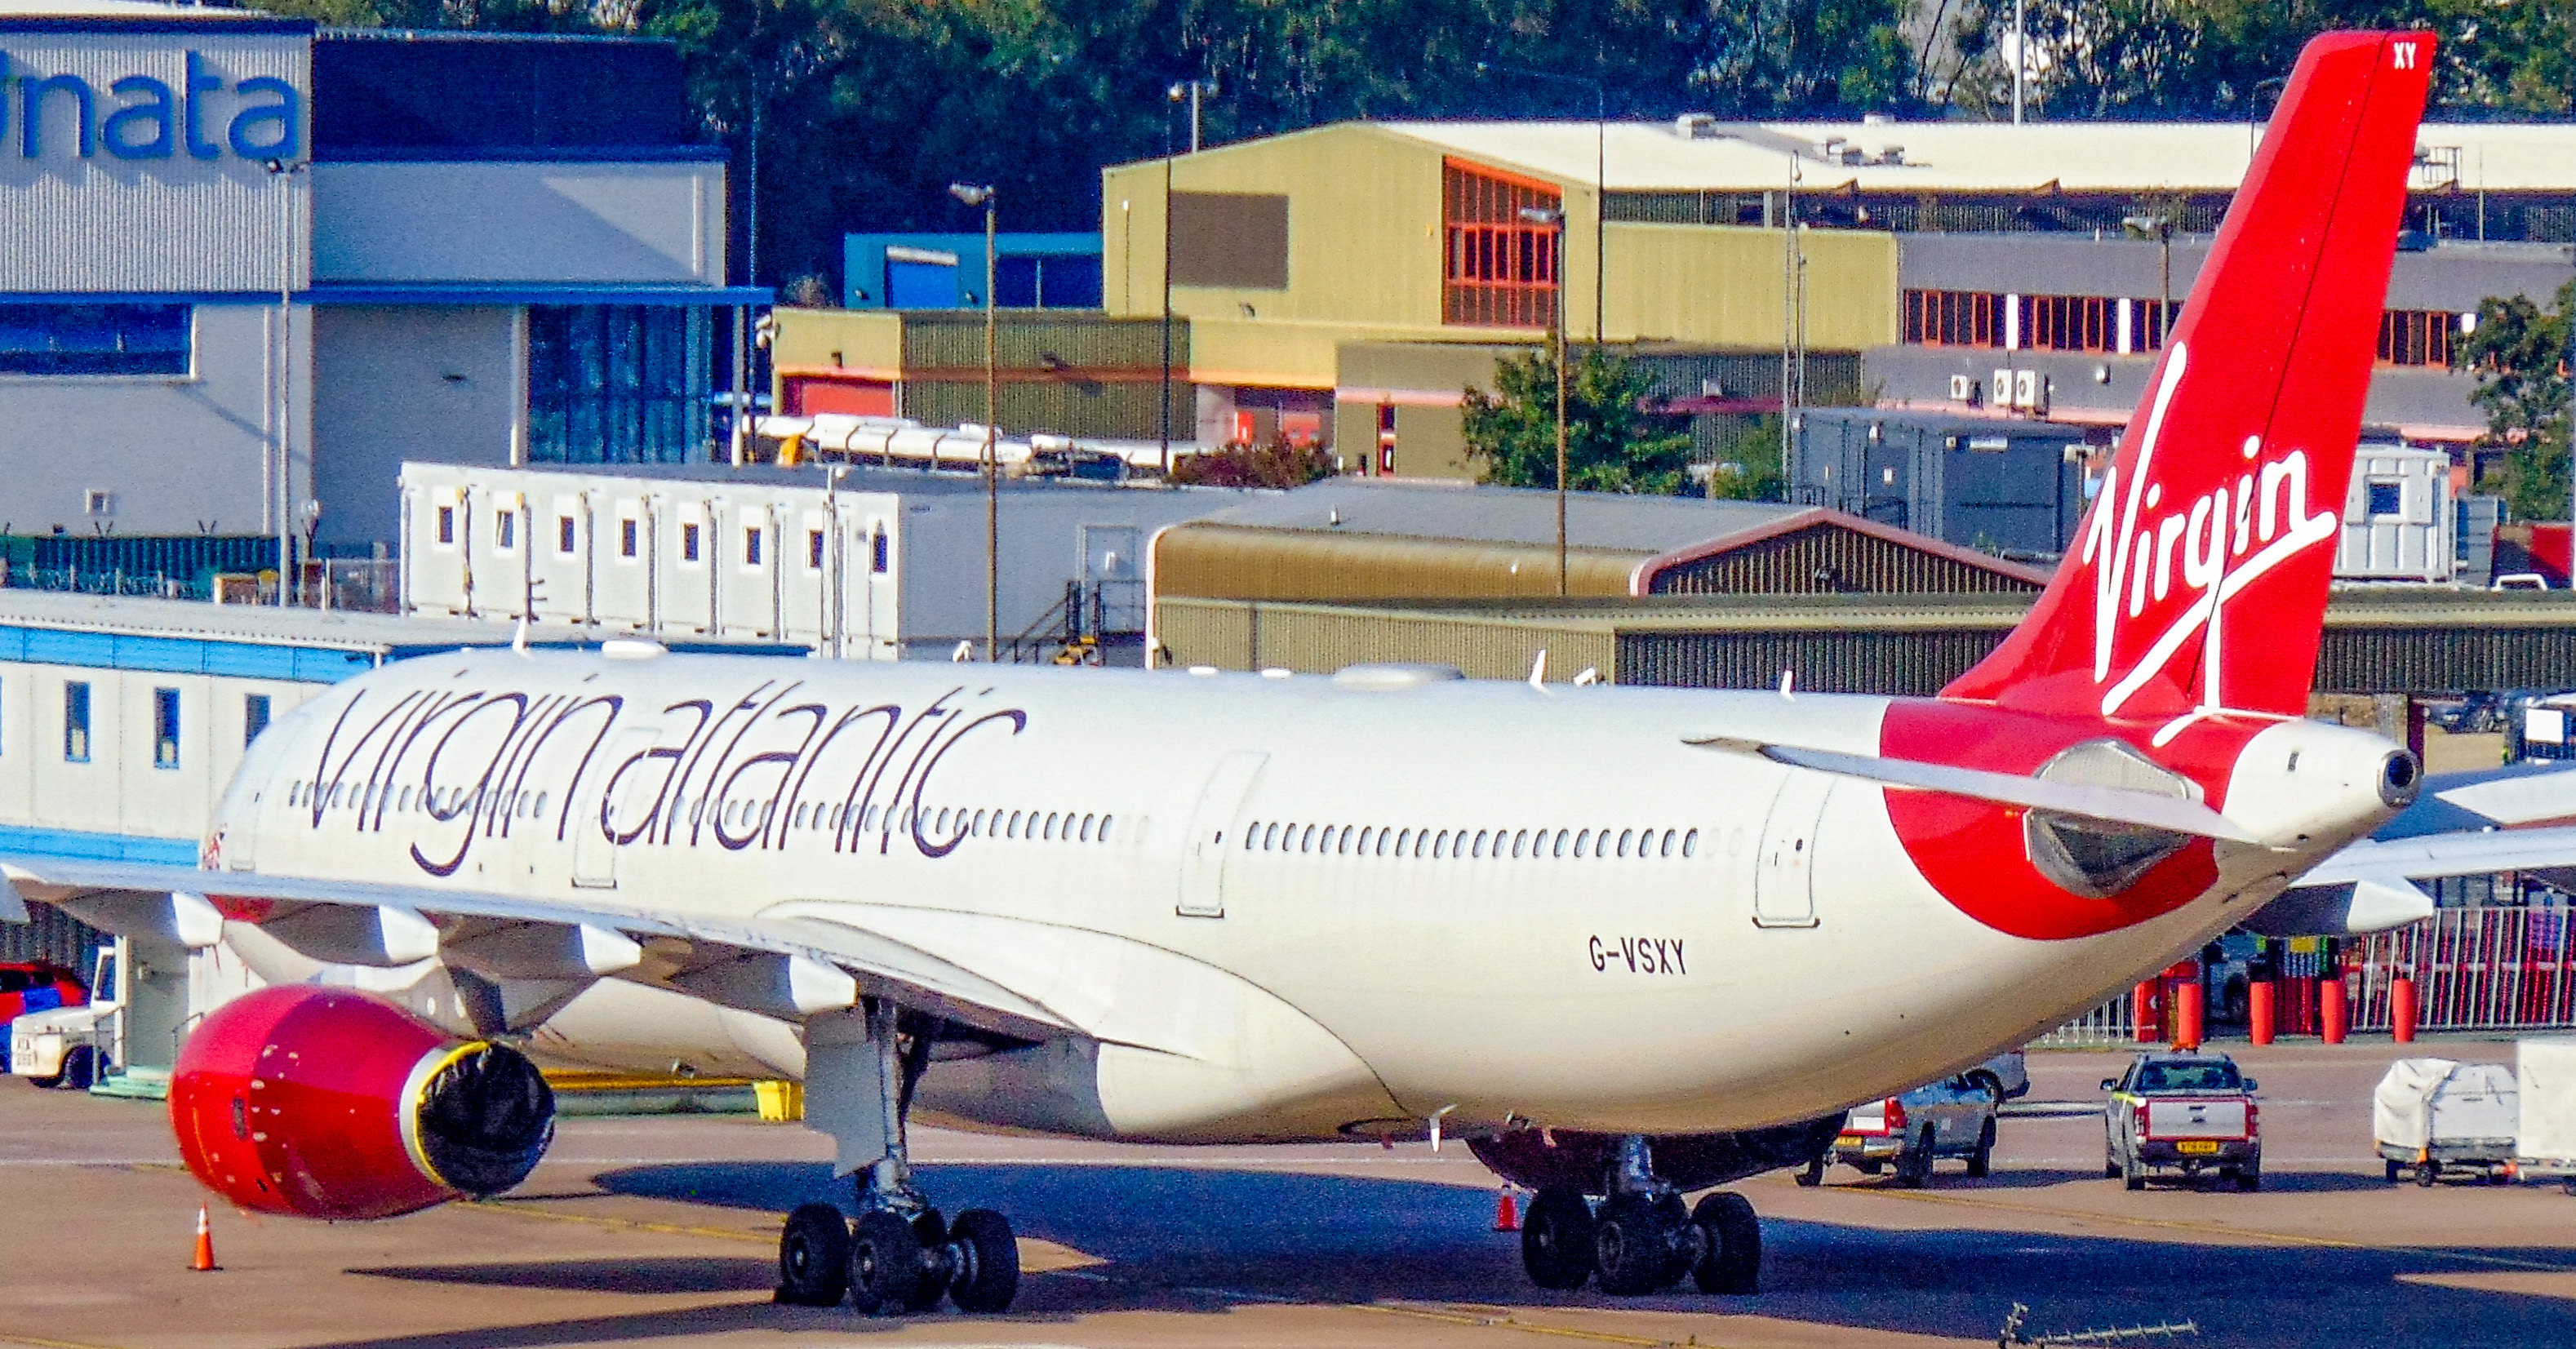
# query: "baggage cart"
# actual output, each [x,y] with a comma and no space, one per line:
[2433,1117]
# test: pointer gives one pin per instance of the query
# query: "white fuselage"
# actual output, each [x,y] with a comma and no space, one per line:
[1274,908]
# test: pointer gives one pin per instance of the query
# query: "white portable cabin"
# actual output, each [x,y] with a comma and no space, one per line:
[674,556]
[2398,524]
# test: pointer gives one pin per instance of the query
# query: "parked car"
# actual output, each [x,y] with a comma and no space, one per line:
[35,986]
[1954,1117]
[69,1043]
[2007,1075]
[2192,1113]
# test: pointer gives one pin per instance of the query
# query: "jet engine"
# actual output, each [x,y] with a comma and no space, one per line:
[330,1103]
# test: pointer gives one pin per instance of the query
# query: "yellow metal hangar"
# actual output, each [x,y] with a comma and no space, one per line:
[1344,285]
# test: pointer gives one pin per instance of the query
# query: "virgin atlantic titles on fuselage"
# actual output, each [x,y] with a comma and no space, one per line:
[1624,942]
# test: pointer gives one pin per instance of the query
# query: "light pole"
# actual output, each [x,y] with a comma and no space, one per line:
[1556,219]
[2159,227]
[984,196]
[279,506]
[1600,185]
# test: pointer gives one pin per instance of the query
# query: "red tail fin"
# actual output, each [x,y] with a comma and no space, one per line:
[2200,578]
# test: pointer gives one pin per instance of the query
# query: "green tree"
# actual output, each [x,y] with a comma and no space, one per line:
[1615,441]
[2520,355]
[1748,467]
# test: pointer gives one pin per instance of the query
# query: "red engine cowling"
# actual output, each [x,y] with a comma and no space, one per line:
[329,1103]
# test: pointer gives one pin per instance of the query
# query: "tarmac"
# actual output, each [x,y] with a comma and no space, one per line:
[662,1231]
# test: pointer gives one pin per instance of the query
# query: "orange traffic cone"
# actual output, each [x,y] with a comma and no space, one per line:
[1507,1210]
[205,1242]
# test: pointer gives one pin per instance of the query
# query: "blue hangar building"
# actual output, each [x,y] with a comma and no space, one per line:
[253,266]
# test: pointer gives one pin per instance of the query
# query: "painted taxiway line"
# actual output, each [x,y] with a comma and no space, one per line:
[2218,1229]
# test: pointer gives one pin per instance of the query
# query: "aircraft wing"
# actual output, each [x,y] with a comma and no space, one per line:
[788,967]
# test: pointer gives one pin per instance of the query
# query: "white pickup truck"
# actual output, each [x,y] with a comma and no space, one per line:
[69,1047]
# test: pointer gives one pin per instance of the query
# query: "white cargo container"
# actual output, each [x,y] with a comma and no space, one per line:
[2545,1131]
[2431,1114]
[2398,524]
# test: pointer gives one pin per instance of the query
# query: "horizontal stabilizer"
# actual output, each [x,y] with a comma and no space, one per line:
[2475,853]
[2112,805]
[2352,909]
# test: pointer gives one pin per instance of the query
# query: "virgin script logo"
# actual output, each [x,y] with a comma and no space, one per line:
[2213,546]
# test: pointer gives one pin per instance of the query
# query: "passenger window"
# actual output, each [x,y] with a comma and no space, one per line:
[1251,836]
[1343,845]
[1403,842]
[1690,843]
[1048,835]
[1270,837]
[1105,822]
[1087,822]
[1478,848]
[1581,839]
[976,828]
[1625,836]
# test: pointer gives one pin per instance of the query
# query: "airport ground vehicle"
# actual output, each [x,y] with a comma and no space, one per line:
[1392,902]
[1954,1117]
[2437,1117]
[33,986]
[71,1042]
[2192,1113]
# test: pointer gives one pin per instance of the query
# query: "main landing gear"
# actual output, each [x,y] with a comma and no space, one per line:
[1639,1238]
[900,1257]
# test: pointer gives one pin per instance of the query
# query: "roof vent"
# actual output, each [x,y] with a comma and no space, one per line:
[1894,154]
[1696,126]
[1387,676]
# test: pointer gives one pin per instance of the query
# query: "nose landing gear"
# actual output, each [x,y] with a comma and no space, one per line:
[900,1257]
[1640,1239]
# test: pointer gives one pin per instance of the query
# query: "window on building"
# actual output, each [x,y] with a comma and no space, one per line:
[689,542]
[626,532]
[564,534]
[751,546]
[2416,337]
[505,530]
[94,339]
[617,384]
[2387,498]
[75,722]
[254,716]
[165,728]
[447,524]
[1954,318]
[1499,268]
[877,552]
[814,549]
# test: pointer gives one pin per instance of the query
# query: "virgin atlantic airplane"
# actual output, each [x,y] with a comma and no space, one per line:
[1626,943]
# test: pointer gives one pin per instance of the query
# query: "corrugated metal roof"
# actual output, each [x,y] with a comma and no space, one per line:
[1483,514]
[1959,156]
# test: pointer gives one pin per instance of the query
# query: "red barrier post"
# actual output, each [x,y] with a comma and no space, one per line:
[2335,1017]
[2145,1014]
[2402,1011]
[2259,1016]
[2190,1012]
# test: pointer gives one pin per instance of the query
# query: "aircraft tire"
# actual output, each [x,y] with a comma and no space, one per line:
[1636,1244]
[931,1231]
[1557,1239]
[814,1257]
[989,1273]
[885,1265]
[1732,1243]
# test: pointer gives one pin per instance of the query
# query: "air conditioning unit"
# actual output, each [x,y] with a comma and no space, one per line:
[1999,390]
[1963,390]
[2025,389]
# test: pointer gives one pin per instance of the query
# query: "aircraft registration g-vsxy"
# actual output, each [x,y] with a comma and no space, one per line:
[1625,943]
